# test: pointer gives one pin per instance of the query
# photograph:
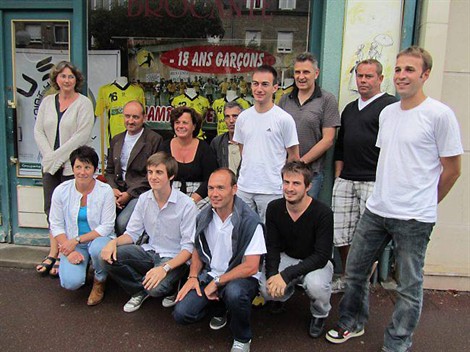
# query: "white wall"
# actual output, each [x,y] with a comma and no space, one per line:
[445,33]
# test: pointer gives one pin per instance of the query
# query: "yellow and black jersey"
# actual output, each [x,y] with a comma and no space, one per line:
[280,92]
[198,103]
[218,107]
[111,99]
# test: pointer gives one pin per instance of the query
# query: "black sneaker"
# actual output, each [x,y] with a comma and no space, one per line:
[316,327]
[217,323]
[277,307]
[339,335]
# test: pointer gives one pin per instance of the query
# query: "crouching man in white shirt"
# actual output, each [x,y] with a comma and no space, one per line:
[168,216]
[224,268]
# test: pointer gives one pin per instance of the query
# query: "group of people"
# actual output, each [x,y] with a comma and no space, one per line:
[208,228]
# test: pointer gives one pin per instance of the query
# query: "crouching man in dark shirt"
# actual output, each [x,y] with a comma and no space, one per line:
[299,247]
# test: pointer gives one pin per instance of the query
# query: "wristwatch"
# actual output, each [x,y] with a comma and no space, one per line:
[217,281]
[77,239]
[167,268]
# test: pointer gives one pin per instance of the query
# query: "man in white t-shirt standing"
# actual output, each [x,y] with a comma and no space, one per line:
[267,136]
[419,162]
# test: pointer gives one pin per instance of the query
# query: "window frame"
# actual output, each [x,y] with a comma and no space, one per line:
[256,41]
[35,26]
[285,49]
[252,4]
[284,4]
[61,27]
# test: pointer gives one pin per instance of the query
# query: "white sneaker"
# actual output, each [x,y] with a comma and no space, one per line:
[135,302]
[338,285]
[339,335]
[169,301]
[240,346]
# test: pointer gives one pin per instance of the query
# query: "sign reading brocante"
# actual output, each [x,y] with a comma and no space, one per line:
[207,9]
[216,59]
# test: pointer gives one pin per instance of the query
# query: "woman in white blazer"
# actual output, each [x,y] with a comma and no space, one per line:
[82,218]
[64,122]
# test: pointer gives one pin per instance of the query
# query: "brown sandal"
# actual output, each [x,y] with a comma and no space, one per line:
[47,266]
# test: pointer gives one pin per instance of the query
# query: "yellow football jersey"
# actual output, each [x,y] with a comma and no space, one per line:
[111,99]
[218,107]
[198,103]
[224,86]
[280,92]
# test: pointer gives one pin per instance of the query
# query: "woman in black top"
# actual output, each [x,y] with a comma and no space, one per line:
[196,160]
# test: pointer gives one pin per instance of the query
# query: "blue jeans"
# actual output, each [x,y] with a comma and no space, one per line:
[124,215]
[237,296]
[373,233]
[73,276]
[317,183]
[133,263]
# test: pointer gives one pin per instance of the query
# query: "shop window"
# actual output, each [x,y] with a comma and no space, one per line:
[106,4]
[34,30]
[96,4]
[119,2]
[254,4]
[287,4]
[61,34]
[284,42]
[253,38]
[192,52]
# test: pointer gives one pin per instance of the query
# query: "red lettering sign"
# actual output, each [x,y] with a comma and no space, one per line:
[158,113]
[216,59]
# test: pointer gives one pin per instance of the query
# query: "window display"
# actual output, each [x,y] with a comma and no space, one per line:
[199,53]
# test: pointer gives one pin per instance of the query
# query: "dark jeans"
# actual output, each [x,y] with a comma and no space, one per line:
[123,216]
[237,296]
[133,262]
[317,183]
[49,184]
[373,233]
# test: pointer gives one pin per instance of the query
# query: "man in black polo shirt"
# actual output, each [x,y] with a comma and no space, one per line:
[356,156]
[316,115]
[299,245]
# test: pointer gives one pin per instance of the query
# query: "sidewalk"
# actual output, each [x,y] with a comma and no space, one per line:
[14,256]
[38,315]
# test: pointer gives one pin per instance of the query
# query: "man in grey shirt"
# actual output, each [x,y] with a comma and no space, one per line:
[316,116]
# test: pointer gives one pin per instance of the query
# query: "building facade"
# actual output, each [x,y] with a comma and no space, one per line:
[176,49]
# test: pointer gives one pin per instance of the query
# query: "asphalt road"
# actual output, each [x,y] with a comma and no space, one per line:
[36,314]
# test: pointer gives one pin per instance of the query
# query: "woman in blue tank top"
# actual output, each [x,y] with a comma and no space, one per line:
[82,219]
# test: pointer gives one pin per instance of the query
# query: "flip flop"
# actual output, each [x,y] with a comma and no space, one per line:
[47,266]
[55,267]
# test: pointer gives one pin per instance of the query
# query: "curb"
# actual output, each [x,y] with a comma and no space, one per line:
[26,257]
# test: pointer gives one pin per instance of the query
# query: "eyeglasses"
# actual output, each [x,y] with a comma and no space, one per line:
[262,84]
